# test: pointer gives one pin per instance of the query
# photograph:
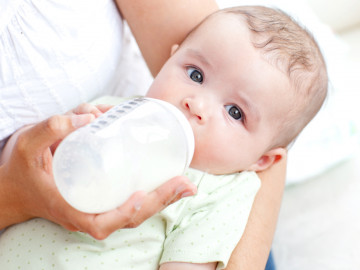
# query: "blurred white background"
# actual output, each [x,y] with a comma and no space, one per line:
[319,223]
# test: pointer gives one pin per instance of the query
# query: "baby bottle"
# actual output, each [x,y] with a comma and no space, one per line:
[136,145]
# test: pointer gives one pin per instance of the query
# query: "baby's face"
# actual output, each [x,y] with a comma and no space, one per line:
[231,96]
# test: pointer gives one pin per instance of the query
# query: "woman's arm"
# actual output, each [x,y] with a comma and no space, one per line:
[159,24]
[254,247]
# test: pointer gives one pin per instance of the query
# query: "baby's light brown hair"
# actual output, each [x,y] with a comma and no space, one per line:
[293,50]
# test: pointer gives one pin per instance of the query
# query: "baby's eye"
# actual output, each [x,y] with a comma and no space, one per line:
[234,112]
[195,74]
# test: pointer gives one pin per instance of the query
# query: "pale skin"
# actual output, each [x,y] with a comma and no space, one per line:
[233,98]
[29,192]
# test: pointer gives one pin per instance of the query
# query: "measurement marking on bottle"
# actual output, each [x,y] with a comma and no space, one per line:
[115,113]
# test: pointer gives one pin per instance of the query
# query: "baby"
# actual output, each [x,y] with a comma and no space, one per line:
[248,79]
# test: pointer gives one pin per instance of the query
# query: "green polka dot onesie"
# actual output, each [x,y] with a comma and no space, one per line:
[198,229]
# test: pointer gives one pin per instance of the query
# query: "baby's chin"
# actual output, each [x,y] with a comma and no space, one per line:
[212,169]
[153,94]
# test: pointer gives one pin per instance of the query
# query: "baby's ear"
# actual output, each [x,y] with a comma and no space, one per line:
[268,159]
[174,49]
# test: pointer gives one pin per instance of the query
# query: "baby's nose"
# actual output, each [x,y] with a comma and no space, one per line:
[196,107]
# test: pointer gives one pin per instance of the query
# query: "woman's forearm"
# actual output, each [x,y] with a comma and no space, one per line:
[159,24]
[9,214]
[253,249]
[9,203]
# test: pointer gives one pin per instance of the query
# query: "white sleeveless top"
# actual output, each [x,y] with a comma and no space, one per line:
[54,54]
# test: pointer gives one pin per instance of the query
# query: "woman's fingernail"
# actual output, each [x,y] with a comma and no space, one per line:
[138,205]
[182,188]
[186,190]
[79,120]
[187,194]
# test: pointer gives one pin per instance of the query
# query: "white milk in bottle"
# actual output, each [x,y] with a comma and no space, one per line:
[137,145]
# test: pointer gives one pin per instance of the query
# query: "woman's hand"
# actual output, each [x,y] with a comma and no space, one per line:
[93,111]
[27,187]
[87,108]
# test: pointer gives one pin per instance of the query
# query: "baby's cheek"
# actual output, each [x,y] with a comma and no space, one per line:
[205,159]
